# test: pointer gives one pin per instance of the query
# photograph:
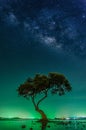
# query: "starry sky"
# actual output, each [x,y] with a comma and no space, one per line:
[42,36]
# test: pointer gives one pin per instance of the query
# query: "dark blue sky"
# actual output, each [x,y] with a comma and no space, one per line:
[41,36]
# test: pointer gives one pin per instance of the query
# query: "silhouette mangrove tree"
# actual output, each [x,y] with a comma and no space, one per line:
[43,84]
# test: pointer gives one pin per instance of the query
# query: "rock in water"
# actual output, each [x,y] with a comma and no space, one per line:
[23,126]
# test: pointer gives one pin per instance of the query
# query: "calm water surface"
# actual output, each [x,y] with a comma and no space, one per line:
[53,125]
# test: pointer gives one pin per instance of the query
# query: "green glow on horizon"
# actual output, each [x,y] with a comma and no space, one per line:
[9,113]
[61,113]
[81,114]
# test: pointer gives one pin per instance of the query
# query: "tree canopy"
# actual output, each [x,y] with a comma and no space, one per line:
[55,82]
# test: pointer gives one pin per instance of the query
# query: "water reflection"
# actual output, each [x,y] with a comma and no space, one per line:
[60,125]
[36,125]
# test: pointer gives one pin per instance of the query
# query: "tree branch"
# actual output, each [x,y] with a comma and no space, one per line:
[42,98]
[33,101]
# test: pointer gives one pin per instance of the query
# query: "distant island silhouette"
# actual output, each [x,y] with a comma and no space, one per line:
[20,118]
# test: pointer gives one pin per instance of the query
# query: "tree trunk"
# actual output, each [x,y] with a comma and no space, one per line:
[43,115]
[44,119]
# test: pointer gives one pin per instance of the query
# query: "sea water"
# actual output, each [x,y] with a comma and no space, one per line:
[34,125]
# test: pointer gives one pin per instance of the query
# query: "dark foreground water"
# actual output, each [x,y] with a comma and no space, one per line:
[34,125]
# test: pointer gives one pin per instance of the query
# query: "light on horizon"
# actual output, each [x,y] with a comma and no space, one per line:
[11,113]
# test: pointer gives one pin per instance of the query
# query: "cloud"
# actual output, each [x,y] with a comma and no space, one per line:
[11,20]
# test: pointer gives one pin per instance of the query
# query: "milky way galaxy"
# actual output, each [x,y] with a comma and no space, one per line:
[61,25]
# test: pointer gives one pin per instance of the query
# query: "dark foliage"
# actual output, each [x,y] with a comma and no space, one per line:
[55,82]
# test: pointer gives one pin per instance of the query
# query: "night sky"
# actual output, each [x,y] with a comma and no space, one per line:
[42,36]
